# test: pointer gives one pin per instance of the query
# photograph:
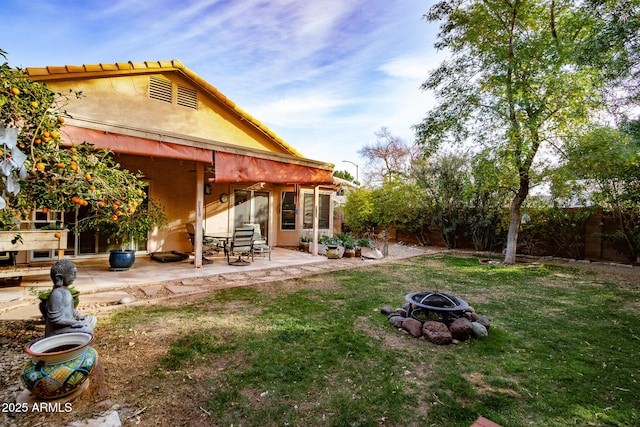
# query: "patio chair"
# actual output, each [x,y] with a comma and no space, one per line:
[260,246]
[241,244]
[209,245]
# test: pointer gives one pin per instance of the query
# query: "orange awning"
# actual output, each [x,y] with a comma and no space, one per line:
[134,145]
[236,168]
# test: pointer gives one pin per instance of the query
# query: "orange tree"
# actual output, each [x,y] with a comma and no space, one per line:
[39,173]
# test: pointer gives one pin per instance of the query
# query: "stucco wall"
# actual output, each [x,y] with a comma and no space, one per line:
[125,100]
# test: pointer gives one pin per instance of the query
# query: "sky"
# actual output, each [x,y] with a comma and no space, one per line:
[324,75]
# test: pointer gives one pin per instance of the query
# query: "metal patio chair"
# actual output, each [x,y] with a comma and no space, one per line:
[240,244]
[209,245]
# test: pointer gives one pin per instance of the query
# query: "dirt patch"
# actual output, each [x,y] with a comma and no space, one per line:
[477,380]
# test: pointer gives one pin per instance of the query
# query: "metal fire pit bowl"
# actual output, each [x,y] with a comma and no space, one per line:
[422,304]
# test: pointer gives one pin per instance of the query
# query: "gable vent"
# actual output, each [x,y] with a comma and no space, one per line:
[187,97]
[160,89]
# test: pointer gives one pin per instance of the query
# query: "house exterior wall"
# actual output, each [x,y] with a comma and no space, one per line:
[173,184]
[117,99]
[124,100]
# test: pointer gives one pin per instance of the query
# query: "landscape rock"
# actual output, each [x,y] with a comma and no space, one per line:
[479,331]
[461,329]
[371,253]
[125,300]
[396,321]
[386,310]
[413,326]
[484,321]
[400,312]
[436,332]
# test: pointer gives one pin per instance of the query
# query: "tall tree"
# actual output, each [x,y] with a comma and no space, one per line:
[513,83]
[345,175]
[389,155]
[608,161]
[614,47]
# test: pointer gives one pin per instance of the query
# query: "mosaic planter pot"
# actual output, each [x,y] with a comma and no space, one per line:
[59,364]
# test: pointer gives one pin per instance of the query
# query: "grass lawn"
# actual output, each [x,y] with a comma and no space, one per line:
[563,350]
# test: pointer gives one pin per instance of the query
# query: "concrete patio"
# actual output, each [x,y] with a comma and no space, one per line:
[148,280]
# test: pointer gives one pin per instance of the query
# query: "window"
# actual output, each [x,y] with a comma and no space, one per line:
[288,210]
[324,209]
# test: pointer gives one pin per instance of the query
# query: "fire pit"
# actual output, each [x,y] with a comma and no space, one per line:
[423,304]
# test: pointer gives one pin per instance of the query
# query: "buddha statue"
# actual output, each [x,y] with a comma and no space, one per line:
[60,315]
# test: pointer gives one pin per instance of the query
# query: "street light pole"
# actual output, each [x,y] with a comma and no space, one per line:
[357,178]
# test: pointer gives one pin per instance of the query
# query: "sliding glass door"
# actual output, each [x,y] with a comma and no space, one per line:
[251,207]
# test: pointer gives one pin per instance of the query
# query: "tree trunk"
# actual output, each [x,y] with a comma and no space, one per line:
[514,222]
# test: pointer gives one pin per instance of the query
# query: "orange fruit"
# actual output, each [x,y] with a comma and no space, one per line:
[114,217]
[92,187]
[45,210]
[101,204]
[15,91]
[118,213]
[73,167]
[46,134]
[61,165]
[34,104]
[60,119]
[87,177]
[58,235]
[73,150]
[40,166]
[55,134]
[37,141]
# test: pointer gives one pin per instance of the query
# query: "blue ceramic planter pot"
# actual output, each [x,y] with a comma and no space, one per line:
[121,260]
[59,364]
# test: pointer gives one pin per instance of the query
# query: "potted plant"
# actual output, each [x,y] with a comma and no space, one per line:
[125,229]
[361,242]
[323,244]
[349,243]
[335,249]
[304,242]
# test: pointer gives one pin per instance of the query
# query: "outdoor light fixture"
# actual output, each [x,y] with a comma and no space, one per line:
[347,161]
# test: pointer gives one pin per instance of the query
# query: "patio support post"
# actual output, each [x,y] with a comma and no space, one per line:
[197,244]
[316,198]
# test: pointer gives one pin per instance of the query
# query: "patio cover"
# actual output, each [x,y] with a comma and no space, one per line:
[135,145]
[236,168]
